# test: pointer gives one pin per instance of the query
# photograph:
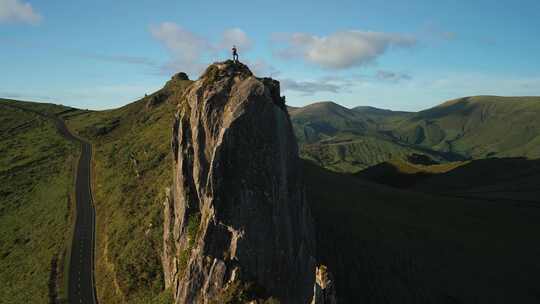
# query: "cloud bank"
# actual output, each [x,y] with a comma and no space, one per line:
[235,36]
[340,50]
[190,52]
[392,76]
[16,11]
[309,87]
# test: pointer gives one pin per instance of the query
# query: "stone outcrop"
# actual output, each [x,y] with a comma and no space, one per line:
[324,291]
[237,225]
[171,91]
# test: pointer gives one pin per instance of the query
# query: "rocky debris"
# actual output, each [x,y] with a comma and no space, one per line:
[237,226]
[324,291]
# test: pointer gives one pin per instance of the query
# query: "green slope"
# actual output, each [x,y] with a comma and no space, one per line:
[478,127]
[132,162]
[513,180]
[402,173]
[382,118]
[386,245]
[324,120]
[36,178]
[347,152]
[349,140]
[382,244]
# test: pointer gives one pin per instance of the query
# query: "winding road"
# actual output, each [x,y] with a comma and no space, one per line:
[81,287]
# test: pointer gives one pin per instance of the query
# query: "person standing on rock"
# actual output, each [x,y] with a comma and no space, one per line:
[234,53]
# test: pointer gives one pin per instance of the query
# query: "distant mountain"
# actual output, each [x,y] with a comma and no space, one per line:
[381,114]
[349,140]
[460,232]
[477,127]
[323,120]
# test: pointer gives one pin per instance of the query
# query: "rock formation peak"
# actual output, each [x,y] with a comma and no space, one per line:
[237,225]
[227,69]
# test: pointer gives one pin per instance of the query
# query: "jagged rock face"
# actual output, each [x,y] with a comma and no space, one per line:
[237,216]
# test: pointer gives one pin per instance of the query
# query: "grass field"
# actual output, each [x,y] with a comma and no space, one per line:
[457,232]
[383,244]
[132,169]
[36,178]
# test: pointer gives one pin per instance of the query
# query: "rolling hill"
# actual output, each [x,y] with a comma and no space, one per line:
[397,245]
[477,127]
[349,140]
[414,228]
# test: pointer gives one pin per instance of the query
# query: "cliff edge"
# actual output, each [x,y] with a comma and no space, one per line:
[237,226]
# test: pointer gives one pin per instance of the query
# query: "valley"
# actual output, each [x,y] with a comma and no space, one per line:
[349,140]
[399,214]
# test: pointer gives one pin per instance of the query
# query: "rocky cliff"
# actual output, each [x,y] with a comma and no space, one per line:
[237,226]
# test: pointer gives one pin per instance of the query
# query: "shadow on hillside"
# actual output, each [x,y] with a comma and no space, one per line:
[506,180]
[388,245]
[492,175]
[390,175]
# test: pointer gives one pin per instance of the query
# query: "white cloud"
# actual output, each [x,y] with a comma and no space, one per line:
[190,52]
[339,84]
[310,87]
[341,50]
[261,68]
[186,48]
[235,36]
[17,11]
[391,76]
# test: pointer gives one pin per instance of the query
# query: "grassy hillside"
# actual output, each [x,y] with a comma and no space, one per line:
[478,127]
[401,173]
[382,118]
[513,180]
[461,232]
[347,152]
[323,120]
[386,245]
[36,178]
[132,163]
[349,140]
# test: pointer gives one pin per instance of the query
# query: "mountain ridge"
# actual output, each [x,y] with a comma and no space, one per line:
[381,241]
[462,128]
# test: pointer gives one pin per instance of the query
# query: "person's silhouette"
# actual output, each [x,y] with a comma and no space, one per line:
[235,53]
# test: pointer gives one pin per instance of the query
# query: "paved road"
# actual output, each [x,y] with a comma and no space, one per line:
[81,287]
[81,270]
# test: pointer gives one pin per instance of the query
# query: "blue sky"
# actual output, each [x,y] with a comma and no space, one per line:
[404,55]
